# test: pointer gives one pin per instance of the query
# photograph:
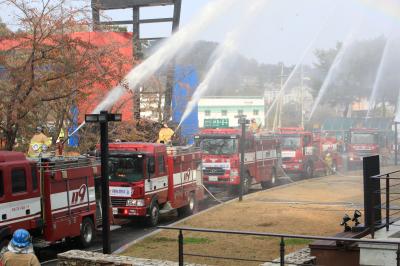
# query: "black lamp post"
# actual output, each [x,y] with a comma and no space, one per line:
[103,118]
[242,122]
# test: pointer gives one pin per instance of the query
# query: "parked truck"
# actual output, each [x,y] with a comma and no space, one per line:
[53,198]
[148,179]
[221,158]
[304,153]
[362,137]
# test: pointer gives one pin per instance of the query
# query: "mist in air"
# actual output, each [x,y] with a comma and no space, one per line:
[334,52]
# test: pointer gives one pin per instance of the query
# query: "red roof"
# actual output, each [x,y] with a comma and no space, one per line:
[123,48]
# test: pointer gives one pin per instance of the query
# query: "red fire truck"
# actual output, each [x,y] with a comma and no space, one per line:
[54,199]
[147,179]
[361,142]
[304,153]
[221,158]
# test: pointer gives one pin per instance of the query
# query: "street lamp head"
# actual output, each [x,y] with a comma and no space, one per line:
[103,117]
[91,118]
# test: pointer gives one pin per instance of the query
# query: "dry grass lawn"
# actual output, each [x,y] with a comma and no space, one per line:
[310,207]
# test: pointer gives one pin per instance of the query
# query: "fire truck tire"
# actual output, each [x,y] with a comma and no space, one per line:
[334,167]
[270,183]
[246,183]
[154,214]
[87,232]
[309,171]
[190,208]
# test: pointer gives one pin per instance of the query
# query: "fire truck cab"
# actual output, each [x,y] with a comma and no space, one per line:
[361,142]
[303,152]
[148,179]
[221,158]
[53,198]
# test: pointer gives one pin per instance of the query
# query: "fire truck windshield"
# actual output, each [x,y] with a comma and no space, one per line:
[125,169]
[223,146]
[363,138]
[290,142]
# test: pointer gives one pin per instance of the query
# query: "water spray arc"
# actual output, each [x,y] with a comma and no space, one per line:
[178,42]
[223,52]
[298,64]
[332,72]
[378,77]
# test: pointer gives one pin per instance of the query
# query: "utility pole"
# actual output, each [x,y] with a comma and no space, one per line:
[302,96]
[279,102]
[396,144]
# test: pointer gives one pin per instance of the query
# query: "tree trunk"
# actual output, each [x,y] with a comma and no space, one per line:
[10,135]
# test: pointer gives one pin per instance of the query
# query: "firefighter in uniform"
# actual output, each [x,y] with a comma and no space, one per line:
[39,143]
[165,134]
[20,251]
[329,163]
[254,127]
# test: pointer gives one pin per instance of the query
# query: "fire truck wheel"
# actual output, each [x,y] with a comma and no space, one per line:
[190,208]
[309,170]
[334,167]
[246,183]
[270,183]
[87,232]
[154,214]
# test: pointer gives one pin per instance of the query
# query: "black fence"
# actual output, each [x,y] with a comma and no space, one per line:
[339,241]
[381,196]
[388,206]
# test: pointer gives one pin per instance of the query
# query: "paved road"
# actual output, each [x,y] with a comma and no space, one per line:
[128,232]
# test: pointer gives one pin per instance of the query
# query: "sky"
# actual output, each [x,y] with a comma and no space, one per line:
[283,31]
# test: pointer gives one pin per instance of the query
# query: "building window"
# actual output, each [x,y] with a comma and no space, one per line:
[240,112]
[207,112]
[224,112]
[255,112]
[18,178]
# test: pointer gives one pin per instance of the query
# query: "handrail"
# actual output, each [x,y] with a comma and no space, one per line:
[389,197]
[342,240]
[252,233]
[383,176]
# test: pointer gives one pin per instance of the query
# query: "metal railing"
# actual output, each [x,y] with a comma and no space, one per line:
[66,163]
[389,194]
[339,241]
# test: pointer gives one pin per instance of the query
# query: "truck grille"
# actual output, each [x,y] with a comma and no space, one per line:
[213,171]
[116,202]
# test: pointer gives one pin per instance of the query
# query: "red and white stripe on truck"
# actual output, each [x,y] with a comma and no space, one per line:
[222,167]
[174,182]
[54,199]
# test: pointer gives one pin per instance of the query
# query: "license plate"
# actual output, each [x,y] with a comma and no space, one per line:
[284,166]
[213,178]
[115,211]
